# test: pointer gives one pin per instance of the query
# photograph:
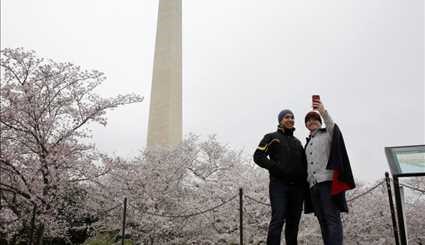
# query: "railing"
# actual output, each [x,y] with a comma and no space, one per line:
[241,196]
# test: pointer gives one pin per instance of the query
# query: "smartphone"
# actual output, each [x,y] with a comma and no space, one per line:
[314,98]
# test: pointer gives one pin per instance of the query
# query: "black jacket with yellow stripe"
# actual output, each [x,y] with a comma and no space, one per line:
[283,155]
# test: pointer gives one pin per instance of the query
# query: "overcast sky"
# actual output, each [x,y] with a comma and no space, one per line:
[244,61]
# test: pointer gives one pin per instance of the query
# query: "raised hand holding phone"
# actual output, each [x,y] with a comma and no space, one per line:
[317,104]
[315,99]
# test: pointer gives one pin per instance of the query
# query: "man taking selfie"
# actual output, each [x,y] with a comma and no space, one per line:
[329,172]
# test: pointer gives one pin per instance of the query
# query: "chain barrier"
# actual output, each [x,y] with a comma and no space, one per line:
[257,201]
[349,200]
[421,194]
[413,188]
[102,213]
[367,191]
[105,212]
[185,215]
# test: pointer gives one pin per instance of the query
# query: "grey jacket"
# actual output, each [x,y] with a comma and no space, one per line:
[317,152]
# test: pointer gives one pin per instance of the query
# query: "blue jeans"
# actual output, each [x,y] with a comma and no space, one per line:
[287,202]
[327,213]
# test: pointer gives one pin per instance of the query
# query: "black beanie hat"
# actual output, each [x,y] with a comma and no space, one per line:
[283,113]
[312,115]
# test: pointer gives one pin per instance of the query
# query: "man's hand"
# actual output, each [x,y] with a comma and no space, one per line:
[319,106]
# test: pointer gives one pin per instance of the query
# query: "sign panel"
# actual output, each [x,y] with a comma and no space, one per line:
[409,160]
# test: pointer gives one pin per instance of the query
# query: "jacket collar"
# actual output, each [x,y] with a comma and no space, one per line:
[285,131]
[316,131]
[307,139]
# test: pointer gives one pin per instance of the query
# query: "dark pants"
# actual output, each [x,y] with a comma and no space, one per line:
[327,213]
[286,201]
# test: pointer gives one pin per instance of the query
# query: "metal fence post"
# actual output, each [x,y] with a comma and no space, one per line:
[241,215]
[390,199]
[123,221]
[400,216]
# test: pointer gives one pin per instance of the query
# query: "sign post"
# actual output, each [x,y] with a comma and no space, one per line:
[404,161]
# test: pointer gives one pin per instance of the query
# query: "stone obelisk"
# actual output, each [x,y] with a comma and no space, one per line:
[165,115]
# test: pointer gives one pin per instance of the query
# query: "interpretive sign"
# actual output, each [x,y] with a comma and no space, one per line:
[406,160]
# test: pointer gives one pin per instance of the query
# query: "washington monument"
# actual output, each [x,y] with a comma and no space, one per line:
[165,115]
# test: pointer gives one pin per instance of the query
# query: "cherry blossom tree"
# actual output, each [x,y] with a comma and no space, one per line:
[46,107]
[168,190]
[177,194]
